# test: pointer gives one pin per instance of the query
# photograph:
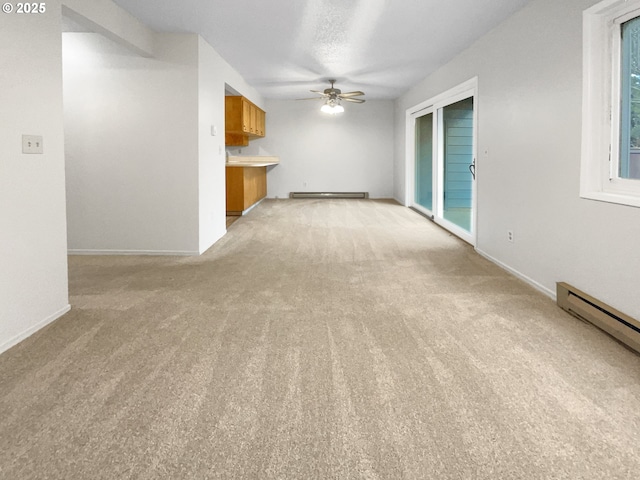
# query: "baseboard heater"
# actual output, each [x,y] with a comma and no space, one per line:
[329,195]
[603,316]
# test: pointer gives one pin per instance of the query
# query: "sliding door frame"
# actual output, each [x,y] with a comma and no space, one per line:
[429,110]
[434,105]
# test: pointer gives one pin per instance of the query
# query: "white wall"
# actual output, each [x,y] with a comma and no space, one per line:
[529,120]
[131,132]
[145,174]
[351,152]
[211,148]
[33,262]
[213,74]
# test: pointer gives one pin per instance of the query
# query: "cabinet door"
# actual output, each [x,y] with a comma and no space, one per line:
[254,185]
[261,123]
[234,182]
[254,119]
[246,116]
[233,114]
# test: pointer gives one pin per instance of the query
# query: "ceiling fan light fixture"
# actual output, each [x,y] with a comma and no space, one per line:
[332,107]
[326,108]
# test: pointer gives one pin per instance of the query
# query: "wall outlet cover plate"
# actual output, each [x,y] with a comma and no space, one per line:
[32,144]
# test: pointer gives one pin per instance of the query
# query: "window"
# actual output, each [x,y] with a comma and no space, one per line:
[611,103]
[629,159]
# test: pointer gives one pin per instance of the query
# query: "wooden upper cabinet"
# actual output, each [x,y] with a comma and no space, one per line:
[253,124]
[247,110]
[243,119]
[260,123]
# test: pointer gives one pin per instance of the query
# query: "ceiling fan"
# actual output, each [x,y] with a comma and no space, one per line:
[332,97]
[336,94]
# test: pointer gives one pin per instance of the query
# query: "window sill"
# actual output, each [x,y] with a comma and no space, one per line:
[620,199]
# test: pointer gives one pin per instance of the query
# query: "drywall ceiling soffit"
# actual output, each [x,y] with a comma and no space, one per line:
[111,21]
[283,48]
[71,26]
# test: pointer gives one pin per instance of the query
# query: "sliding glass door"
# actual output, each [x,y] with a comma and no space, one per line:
[444,163]
[424,161]
[457,165]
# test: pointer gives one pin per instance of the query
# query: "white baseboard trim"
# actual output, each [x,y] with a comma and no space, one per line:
[30,331]
[244,212]
[179,253]
[541,288]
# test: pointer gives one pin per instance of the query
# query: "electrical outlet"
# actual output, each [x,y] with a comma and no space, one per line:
[510,235]
[32,144]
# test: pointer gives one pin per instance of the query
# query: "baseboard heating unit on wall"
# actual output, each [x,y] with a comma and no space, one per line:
[329,195]
[612,321]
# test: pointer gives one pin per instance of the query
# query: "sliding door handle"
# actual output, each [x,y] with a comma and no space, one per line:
[472,168]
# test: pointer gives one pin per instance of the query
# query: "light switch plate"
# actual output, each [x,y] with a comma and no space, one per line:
[214,130]
[32,144]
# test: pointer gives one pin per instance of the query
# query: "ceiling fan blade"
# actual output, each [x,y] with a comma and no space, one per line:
[317,91]
[310,98]
[354,100]
[351,94]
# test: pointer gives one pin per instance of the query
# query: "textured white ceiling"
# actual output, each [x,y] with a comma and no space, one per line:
[283,48]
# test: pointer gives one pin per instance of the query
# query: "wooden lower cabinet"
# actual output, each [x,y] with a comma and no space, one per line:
[245,187]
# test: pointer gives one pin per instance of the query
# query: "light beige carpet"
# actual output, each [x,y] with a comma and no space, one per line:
[330,339]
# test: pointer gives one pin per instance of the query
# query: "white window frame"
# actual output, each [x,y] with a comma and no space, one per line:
[599,178]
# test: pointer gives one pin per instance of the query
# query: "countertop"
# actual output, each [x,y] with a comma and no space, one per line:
[252,161]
